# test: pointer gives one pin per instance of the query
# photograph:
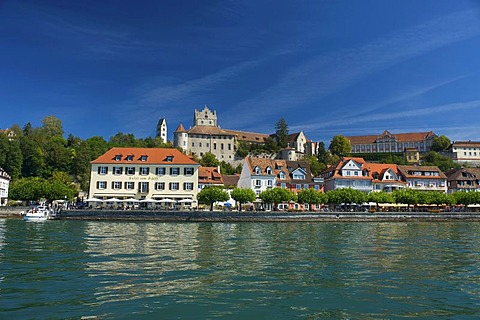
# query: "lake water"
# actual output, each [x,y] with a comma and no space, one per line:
[153,270]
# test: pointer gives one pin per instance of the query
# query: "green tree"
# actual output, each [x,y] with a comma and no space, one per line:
[433,158]
[122,140]
[406,196]
[27,189]
[243,149]
[311,196]
[52,127]
[277,195]
[340,146]
[440,143]
[315,166]
[242,196]
[210,194]
[209,160]
[324,156]
[380,197]
[13,159]
[346,196]
[281,133]
[227,168]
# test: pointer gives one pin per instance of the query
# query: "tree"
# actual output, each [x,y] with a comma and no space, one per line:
[433,158]
[277,195]
[27,189]
[14,159]
[281,133]
[311,196]
[211,194]
[406,196]
[122,140]
[380,197]
[340,146]
[440,143]
[346,196]
[315,166]
[209,160]
[242,196]
[323,155]
[52,127]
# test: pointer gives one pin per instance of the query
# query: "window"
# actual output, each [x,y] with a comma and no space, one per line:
[188,171]
[159,185]
[116,185]
[144,171]
[299,187]
[102,170]
[214,146]
[283,185]
[193,144]
[174,171]
[257,192]
[200,144]
[143,187]
[173,185]
[188,186]
[258,183]
[269,183]
[117,170]
[169,158]
[160,171]
[129,185]
[143,158]
[316,187]
[305,186]
[118,157]
[102,185]
[129,170]
[130,157]
[229,146]
[282,175]
[257,170]
[268,170]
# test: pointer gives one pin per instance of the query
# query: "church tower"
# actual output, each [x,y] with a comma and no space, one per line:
[205,117]
[162,129]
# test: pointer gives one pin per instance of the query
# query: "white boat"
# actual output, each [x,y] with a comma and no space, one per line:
[38,213]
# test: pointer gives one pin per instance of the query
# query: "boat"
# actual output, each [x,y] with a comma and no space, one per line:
[38,213]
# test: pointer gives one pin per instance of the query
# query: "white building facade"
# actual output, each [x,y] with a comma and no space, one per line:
[144,173]
[4,185]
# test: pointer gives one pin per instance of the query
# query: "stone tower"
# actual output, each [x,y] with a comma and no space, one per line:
[205,117]
[162,129]
[180,137]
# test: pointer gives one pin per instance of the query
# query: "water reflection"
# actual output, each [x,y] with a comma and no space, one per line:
[242,270]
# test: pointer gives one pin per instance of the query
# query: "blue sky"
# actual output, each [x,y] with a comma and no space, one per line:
[327,67]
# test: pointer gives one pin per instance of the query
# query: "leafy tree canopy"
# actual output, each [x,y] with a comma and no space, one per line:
[340,146]
[209,195]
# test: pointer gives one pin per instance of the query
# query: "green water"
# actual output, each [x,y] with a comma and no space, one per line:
[135,270]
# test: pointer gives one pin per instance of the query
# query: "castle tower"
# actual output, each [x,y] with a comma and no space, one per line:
[205,117]
[162,129]
[180,138]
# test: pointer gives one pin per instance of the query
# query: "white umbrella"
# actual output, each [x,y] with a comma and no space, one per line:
[113,200]
[185,201]
[147,200]
[93,200]
[130,200]
[166,200]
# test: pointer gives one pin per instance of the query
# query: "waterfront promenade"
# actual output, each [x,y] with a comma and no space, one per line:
[249,216]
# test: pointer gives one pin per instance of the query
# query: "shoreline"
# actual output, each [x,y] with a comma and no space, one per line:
[248,216]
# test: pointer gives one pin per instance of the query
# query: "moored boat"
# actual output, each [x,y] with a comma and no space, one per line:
[38,213]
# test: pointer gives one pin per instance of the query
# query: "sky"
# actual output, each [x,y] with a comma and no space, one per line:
[327,67]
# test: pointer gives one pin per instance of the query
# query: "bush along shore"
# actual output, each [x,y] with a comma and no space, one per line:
[262,216]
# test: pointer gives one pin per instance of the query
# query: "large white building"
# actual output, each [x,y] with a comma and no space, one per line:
[4,185]
[144,173]
[467,152]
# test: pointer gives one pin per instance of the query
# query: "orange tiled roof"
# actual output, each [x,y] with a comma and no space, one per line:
[208,130]
[401,137]
[180,128]
[154,156]
[263,163]
[209,175]
[230,180]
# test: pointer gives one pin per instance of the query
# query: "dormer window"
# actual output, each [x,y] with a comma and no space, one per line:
[130,157]
[257,170]
[268,170]
[169,158]
[118,157]
[143,158]
[281,175]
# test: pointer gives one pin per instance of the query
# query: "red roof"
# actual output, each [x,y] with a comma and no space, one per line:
[400,137]
[153,156]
